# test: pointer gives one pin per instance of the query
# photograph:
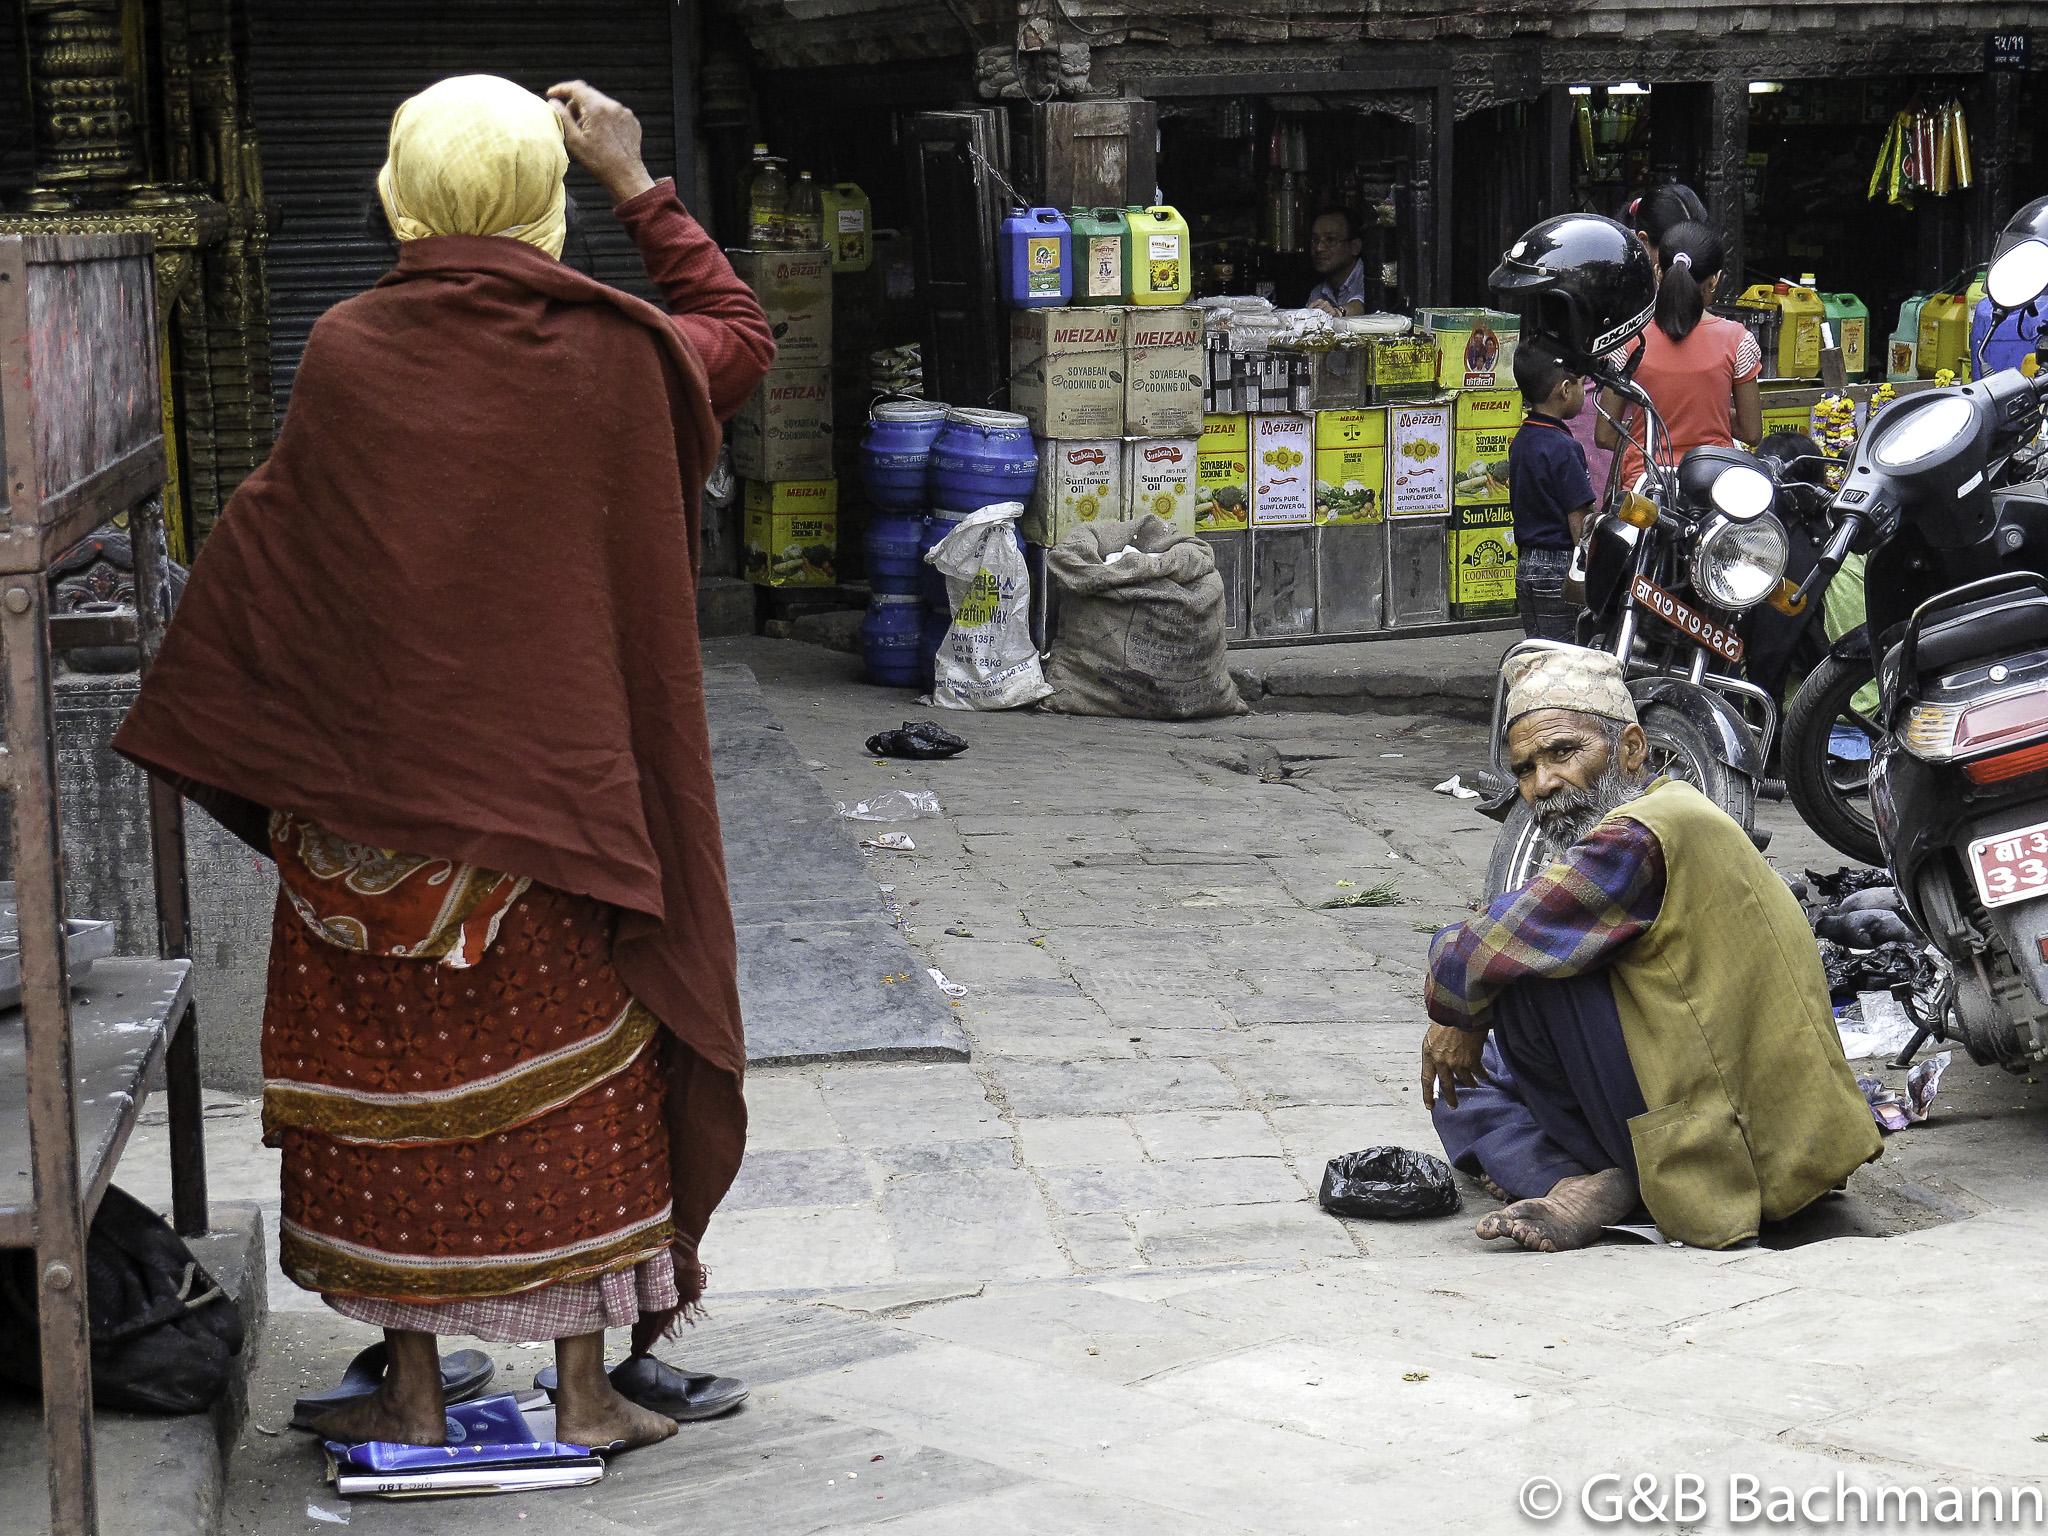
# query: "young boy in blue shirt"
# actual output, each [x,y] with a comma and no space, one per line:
[1550,490]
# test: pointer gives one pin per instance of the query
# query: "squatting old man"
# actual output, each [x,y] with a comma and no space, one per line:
[439,661]
[1659,1017]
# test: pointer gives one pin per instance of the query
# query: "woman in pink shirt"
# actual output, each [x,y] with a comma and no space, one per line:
[1700,369]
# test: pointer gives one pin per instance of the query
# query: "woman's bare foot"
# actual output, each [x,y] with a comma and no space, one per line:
[405,1408]
[588,1408]
[1570,1216]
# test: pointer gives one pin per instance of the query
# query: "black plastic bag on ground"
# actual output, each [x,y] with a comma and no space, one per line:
[1845,882]
[1388,1182]
[923,740]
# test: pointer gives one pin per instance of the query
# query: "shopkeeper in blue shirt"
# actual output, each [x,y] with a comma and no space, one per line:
[1336,248]
[1550,491]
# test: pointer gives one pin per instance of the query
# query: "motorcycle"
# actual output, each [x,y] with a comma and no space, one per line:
[1669,572]
[1958,599]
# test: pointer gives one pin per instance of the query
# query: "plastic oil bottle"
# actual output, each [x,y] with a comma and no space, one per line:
[1100,235]
[1801,314]
[1851,320]
[1158,260]
[767,202]
[1944,334]
[806,215]
[847,217]
[1903,362]
[1037,266]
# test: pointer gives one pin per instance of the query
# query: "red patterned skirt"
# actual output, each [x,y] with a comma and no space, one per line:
[459,1120]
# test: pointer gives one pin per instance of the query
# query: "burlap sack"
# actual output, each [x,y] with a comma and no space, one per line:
[1140,635]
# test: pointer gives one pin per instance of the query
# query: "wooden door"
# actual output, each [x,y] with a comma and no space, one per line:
[955,163]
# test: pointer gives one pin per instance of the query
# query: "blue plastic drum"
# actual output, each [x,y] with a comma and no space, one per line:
[982,457]
[896,452]
[889,636]
[895,545]
[929,639]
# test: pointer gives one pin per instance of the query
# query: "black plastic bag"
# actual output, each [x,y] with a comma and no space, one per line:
[1845,882]
[1388,1182]
[162,1330]
[1876,970]
[921,739]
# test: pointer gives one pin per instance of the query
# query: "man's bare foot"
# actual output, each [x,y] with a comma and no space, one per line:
[1570,1216]
[1495,1190]
[588,1408]
[608,1421]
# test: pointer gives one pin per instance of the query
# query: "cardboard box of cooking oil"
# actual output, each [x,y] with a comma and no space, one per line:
[1482,556]
[1162,371]
[1160,478]
[1078,482]
[1223,477]
[792,533]
[1403,368]
[1418,460]
[1479,466]
[1351,466]
[1499,409]
[795,288]
[1475,348]
[1067,370]
[784,431]
[1283,476]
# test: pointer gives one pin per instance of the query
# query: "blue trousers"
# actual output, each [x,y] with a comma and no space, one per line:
[1562,1094]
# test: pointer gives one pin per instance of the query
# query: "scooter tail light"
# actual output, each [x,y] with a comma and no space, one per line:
[1930,733]
[2001,722]
[2008,765]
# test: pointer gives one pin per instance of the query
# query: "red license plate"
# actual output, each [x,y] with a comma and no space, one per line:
[2012,866]
[1718,638]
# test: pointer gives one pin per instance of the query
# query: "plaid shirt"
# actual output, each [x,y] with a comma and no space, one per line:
[1570,919]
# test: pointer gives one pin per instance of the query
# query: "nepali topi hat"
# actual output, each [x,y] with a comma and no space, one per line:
[1585,682]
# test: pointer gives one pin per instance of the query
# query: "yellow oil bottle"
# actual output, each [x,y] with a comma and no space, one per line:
[848,218]
[1158,257]
[1801,313]
[1944,335]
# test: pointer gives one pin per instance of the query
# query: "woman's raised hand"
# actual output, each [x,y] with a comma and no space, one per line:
[603,136]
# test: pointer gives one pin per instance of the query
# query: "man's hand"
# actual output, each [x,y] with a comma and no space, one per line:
[1450,1058]
[1325,306]
[603,137]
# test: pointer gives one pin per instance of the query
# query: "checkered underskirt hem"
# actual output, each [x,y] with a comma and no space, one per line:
[559,1311]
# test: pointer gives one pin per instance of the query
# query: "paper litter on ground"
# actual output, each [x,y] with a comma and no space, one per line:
[1875,1025]
[1455,789]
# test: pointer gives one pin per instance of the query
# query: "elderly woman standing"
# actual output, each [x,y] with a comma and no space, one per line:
[440,661]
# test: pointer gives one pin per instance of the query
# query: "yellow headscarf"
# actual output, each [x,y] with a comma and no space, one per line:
[476,155]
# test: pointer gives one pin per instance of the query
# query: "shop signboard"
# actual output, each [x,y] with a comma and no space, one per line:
[1479,459]
[795,289]
[784,431]
[1159,478]
[1283,472]
[1078,482]
[1223,480]
[1067,371]
[1418,460]
[1163,371]
[791,533]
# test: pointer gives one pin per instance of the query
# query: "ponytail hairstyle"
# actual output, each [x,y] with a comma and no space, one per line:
[1690,254]
[1653,214]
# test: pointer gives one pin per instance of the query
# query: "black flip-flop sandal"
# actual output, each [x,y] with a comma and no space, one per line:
[658,1386]
[464,1375]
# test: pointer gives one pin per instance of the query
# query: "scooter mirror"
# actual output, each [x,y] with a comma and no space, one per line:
[1743,493]
[2020,276]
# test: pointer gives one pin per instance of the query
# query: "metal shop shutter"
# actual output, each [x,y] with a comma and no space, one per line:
[326,75]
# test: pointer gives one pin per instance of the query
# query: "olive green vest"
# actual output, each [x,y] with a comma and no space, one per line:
[1753,1113]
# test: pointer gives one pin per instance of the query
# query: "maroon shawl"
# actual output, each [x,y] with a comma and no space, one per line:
[455,614]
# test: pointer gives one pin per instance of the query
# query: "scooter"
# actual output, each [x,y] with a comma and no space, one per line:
[1958,601]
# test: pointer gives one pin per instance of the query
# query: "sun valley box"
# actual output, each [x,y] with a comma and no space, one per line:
[795,288]
[784,431]
[792,533]
[1159,478]
[1479,466]
[1067,371]
[1223,474]
[1482,557]
[1162,371]
[1078,482]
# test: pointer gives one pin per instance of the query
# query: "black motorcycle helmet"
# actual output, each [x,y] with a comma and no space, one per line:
[2030,223]
[1580,281]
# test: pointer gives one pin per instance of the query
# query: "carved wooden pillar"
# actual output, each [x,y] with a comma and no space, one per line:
[82,103]
[1725,169]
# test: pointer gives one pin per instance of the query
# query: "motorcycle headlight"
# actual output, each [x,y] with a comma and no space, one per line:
[1736,565]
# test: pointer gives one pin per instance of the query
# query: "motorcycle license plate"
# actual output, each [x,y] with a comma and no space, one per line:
[2012,866]
[1718,638]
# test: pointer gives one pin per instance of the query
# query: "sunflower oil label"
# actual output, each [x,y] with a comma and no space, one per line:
[1105,267]
[1418,461]
[1163,261]
[1078,482]
[1160,479]
[1042,265]
[1283,480]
